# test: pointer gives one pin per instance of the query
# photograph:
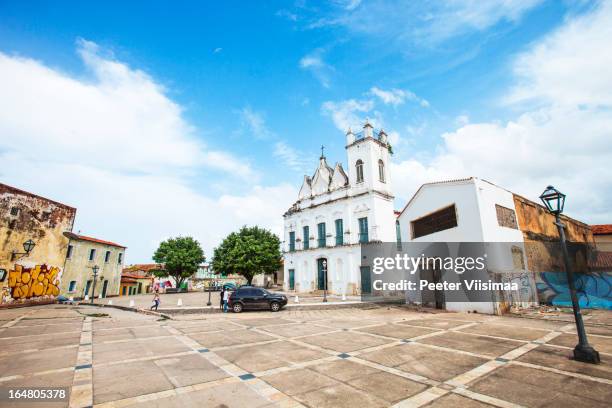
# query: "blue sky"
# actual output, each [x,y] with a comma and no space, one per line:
[195,118]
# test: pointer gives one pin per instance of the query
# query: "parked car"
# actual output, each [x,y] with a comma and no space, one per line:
[252,298]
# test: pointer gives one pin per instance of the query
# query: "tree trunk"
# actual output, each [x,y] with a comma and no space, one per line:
[179,281]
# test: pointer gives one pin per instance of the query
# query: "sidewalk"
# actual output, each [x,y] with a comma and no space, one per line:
[196,302]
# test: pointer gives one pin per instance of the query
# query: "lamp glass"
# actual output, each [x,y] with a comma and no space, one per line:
[28,246]
[553,199]
[95,269]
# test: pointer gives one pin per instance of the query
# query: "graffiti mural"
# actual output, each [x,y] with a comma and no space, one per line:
[27,283]
[594,290]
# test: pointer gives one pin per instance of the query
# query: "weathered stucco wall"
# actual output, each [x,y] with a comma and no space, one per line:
[78,268]
[545,258]
[26,216]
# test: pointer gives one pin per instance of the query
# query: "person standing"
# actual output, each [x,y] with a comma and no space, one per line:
[221,297]
[156,301]
[226,296]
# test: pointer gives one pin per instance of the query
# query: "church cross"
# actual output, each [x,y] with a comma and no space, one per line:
[322,149]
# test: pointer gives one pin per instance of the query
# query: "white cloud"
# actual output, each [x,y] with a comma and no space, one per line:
[314,63]
[116,147]
[564,142]
[256,123]
[311,61]
[570,67]
[397,96]
[349,113]
[292,158]
[420,23]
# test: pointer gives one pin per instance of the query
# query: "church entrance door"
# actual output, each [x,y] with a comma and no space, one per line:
[321,273]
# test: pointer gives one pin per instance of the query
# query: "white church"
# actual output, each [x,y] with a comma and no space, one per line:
[336,211]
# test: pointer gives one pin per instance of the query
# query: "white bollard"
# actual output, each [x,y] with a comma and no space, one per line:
[86,298]
[344,296]
[180,302]
[100,296]
[132,303]
[296,300]
[110,302]
[71,299]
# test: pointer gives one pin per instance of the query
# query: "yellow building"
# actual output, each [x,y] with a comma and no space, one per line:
[83,254]
[31,272]
[137,279]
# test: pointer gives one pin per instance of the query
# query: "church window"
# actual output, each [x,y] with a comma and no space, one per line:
[363,230]
[292,241]
[398,235]
[306,237]
[339,232]
[441,220]
[359,168]
[381,171]
[321,234]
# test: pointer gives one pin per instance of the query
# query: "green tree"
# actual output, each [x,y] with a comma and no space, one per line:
[180,258]
[248,252]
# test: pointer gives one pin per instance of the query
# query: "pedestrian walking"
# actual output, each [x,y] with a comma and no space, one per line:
[221,298]
[156,302]
[226,296]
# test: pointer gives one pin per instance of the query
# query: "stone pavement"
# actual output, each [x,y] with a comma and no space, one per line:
[379,357]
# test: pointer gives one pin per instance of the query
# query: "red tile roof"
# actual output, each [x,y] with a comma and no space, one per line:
[100,241]
[142,267]
[72,235]
[602,229]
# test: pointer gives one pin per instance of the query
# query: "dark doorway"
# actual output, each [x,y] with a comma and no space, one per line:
[433,298]
[104,287]
[291,279]
[366,280]
[321,273]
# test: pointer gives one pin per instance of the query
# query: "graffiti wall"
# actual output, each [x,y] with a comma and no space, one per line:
[27,283]
[594,290]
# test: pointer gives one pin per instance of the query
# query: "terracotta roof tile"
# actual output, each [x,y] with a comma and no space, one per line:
[601,229]
[72,235]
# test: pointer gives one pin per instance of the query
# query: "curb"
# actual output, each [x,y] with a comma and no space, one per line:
[212,309]
[130,309]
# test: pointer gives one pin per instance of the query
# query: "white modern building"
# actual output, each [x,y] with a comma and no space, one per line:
[471,210]
[336,211]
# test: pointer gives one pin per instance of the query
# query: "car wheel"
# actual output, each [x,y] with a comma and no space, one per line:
[275,306]
[237,308]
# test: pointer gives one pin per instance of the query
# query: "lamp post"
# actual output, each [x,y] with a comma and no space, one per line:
[324,265]
[554,201]
[28,246]
[95,270]
[209,303]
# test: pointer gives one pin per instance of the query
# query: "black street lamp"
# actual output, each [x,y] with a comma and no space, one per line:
[554,201]
[28,246]
[324,267]
[95,270]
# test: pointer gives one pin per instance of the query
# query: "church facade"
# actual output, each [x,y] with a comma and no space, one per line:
[337,211]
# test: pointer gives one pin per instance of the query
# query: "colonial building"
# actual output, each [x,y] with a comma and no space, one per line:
[82,255]
[32,245]
[475,210]
[336,211]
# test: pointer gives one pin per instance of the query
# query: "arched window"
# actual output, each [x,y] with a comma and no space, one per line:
[359,168]
[381,171]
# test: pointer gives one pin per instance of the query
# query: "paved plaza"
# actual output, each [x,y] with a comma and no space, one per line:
[384,356]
